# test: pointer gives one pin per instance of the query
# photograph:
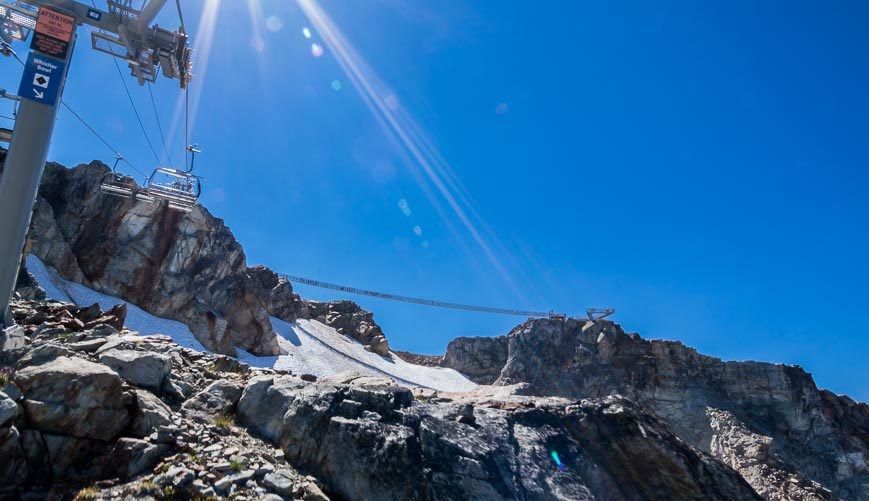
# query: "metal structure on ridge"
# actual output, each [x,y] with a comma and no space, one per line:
[121,31]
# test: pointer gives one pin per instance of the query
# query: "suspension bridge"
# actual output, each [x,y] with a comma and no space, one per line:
[591,313]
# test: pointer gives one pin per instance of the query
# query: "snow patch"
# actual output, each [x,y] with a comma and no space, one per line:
[137,318]
[314,348]
[310,346]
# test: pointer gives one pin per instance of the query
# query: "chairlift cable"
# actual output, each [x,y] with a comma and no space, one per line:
[83,121]
[159,126]
[180,15]
[95,133]
[187,166]
[136,111]
[186,126]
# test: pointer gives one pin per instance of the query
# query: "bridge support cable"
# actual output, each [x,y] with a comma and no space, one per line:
[592,313]
[414,300]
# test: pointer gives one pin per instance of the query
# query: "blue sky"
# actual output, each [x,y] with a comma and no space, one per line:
[699,166]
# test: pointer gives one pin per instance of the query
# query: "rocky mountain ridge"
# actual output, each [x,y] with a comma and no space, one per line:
[770,422]
[106,414]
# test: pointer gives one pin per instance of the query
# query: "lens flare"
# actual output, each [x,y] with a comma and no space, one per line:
[431,170]
[306,32]
[405,208]
[317,50]
[274,24]
[391,102]
[557,460]
[336,85]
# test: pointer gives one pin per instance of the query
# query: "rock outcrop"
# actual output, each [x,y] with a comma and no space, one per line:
[350,319]
[368,439]
[74,397]
[68,420]
[281,301]
[770,422]
[346,317]
[187,267]
[479,358]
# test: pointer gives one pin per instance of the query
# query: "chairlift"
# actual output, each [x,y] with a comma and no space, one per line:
[122,185]
[180,188]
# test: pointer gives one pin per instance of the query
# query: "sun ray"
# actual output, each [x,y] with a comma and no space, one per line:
[205,37]
[254,8]
[398,122]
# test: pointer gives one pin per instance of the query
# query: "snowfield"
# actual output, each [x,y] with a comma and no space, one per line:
[137,318]
[311,347]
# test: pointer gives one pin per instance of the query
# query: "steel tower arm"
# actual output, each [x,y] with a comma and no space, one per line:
[149,13]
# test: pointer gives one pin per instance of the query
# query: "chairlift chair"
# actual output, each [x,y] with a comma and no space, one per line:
[122,185]
[180,188]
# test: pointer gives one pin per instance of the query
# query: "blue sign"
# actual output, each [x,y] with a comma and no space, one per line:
[42,78]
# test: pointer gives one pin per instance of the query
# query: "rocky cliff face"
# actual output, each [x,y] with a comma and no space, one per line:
[187,267]
[770,422]
[370,440]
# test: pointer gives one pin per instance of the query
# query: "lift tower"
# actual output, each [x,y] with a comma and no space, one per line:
[121,31]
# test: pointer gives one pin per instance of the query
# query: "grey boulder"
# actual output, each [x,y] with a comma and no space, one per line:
[71,396]
[144,369]
[218,399]
[131,456]
[150,413]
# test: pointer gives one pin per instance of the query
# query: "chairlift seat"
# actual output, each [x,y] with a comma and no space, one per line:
[123,186]
[118,184]
[179,188]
